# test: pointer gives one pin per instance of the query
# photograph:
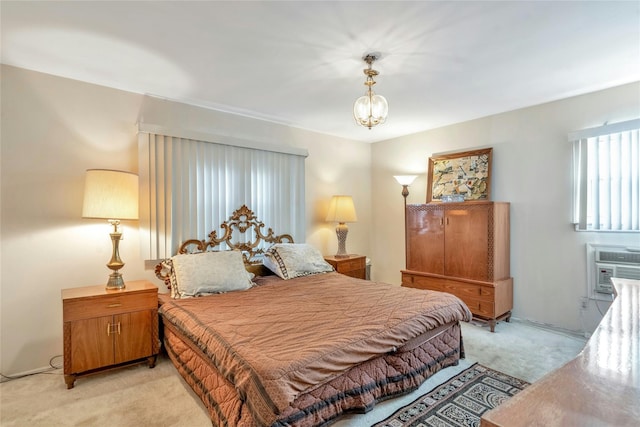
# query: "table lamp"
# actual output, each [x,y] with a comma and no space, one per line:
[341,210]
[111,195]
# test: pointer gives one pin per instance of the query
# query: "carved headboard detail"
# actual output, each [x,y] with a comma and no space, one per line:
[237,236]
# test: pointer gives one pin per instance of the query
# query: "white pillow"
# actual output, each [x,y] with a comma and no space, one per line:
[290,260]
[208,273]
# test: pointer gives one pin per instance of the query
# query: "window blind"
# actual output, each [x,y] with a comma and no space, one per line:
[606,171]
[189,187]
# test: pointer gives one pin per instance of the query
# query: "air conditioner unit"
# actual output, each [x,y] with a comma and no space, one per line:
[623,263]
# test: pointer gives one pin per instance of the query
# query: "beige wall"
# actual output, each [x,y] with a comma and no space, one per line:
[532,170]
[52,130]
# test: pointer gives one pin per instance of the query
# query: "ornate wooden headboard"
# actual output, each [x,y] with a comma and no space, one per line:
[243,231]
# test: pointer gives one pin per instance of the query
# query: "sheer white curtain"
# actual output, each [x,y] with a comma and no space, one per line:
[190,186]
[607,177]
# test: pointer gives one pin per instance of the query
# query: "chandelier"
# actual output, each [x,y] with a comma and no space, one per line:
[371,109]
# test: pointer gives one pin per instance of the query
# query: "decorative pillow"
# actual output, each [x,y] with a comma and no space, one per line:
[290,260]
[208,273]
[167,266]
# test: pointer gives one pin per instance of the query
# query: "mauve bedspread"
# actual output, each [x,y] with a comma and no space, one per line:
[279,340]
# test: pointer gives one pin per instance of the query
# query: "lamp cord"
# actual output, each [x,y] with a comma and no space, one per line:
[6,378]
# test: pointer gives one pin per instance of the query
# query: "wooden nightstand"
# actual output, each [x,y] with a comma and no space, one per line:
[109,328]
[351,265]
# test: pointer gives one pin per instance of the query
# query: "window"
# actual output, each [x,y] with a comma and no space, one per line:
[606,169]
[189,186]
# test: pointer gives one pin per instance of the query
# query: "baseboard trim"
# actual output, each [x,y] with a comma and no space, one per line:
[551,328]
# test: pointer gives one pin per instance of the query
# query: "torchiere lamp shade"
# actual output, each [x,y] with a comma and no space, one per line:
[405,181]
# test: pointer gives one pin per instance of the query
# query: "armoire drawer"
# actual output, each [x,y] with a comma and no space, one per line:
[479,307]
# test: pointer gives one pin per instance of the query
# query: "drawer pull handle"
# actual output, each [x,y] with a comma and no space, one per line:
[114,305]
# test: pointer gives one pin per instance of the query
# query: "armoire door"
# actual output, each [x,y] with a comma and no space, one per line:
[425,239]
[466,242]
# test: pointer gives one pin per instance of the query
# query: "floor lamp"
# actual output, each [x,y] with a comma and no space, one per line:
[405,181]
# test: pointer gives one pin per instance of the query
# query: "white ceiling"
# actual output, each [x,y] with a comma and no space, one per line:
[299,62]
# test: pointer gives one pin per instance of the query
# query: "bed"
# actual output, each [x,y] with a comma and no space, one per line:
[277,338]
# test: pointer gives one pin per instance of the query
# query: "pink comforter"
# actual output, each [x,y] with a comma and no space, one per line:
[284,338]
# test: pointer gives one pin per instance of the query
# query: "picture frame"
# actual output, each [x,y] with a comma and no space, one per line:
[460,176]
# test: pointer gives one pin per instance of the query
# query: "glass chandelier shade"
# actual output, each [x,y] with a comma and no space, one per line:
[371,109]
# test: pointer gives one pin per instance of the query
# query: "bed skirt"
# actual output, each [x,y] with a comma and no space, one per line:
[357,390]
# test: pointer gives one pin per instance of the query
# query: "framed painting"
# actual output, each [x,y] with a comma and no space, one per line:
[460,176]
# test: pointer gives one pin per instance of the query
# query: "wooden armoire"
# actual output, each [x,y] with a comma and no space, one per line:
[462,248]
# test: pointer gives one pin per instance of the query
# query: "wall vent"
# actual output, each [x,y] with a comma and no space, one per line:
[617,257]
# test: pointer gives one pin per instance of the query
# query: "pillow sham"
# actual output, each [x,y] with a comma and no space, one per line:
[208,273]
[290,260]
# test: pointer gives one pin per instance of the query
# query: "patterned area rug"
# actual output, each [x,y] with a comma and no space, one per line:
[460,401]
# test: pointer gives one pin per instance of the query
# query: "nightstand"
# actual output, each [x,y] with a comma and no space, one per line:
[109,328]
[350,265]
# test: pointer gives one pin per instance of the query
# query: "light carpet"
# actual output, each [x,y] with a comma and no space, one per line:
[132,396]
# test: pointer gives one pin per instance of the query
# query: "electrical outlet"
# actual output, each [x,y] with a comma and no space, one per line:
[584,302]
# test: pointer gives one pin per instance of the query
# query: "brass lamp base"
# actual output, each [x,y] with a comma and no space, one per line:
[115,279]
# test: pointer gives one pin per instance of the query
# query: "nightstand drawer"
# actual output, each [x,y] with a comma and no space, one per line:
[107,305]
[351,265]
[358,274]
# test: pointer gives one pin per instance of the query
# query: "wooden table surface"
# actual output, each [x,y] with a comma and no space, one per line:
[600,387]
